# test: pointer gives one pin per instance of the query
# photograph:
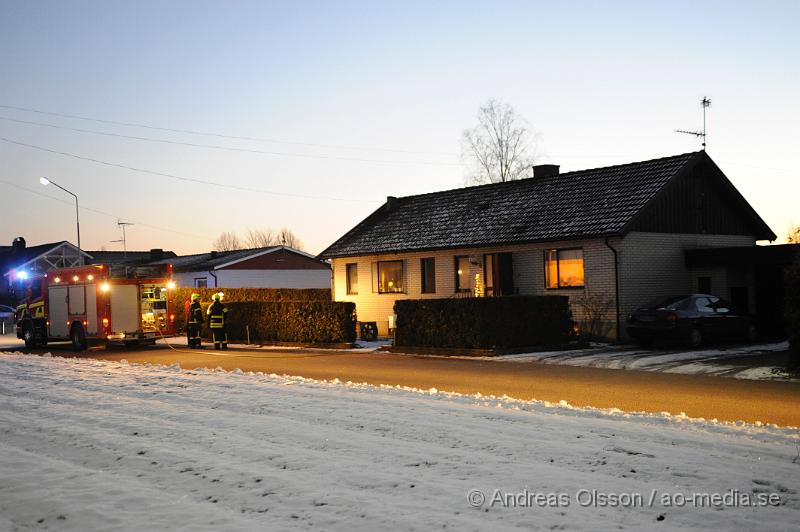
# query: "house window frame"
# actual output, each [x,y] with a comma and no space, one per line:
[204,281]
[424,288]
[348,282]
[558,269]
[402,276]
[458,287]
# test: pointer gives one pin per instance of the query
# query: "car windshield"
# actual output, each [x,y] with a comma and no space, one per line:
[670,303]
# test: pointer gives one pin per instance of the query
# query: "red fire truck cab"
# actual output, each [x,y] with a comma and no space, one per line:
[98,303]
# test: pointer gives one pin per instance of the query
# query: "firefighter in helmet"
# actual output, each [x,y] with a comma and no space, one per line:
[194,320]
[216,322]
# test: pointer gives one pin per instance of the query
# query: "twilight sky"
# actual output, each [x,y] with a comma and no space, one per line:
[361,100]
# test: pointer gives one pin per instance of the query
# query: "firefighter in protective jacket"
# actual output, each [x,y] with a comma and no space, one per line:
[194,320]
[216,322]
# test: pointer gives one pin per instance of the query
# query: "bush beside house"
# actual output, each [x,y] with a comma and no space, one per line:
[483,323]
[793,312]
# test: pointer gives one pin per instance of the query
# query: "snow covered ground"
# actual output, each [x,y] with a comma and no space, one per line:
[98,445]
[725,361]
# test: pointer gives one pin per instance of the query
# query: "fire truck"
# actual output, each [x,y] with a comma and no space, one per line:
[98,304]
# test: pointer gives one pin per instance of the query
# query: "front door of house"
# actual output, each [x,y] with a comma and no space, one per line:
[505,274]
[498,274]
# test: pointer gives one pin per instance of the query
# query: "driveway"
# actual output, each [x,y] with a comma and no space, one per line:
[765,361]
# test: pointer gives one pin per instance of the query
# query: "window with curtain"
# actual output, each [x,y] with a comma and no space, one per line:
[563,268]
[390,276]
[428,267]
[463,281]
[352,279]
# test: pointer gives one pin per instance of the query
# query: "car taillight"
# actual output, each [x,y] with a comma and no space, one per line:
[672,317]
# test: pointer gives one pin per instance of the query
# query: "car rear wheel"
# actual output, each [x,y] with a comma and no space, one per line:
[29,335]
[78,337]
[695,337]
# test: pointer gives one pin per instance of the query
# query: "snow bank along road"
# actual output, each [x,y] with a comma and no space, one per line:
[696,395]
[101,445]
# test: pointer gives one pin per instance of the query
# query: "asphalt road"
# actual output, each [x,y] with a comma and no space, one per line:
[695,395]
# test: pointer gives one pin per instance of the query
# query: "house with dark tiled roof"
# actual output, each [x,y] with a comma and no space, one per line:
[616,235]
[267,267]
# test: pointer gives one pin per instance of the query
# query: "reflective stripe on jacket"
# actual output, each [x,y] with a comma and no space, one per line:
[216,315]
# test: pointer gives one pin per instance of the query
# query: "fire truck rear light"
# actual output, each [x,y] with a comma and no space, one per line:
[170,285]
[105,322]
[57,279]
[75,278]
[104,287]
[86,323]
[90,277]
[171,317]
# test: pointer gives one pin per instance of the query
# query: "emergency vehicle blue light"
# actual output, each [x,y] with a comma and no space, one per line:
[22,274]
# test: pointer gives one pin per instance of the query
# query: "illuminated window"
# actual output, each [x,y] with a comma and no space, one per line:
[428,275]
[563,268]
[390,276]
[352,279]
[463,278]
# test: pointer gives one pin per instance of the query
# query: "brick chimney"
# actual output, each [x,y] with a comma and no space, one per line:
[18,245]
[545,170]
[156,254]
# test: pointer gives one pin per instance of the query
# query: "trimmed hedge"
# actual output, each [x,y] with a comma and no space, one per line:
[792,285]
[179,296]
[483,323]
[318,322]
[315,322]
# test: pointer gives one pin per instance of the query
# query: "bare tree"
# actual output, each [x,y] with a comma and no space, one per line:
[227,241]
[287,238]
[499,147]
[261,238]
[793,236]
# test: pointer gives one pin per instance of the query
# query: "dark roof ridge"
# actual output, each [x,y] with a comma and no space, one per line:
[538,179]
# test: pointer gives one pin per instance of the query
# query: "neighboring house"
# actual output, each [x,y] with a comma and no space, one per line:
[269,267]
[19,260]
[616,234]
[131,258]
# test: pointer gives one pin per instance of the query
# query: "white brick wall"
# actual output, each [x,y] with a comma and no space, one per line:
[653,265]
[528,265]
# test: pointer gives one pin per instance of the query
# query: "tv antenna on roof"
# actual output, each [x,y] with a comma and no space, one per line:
[122,225]
[706,103]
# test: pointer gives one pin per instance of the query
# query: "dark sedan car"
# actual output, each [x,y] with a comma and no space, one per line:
[694,319]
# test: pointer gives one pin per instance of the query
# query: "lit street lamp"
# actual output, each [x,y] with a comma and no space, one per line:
[45,181]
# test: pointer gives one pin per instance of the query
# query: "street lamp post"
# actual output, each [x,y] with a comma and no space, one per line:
[45,181]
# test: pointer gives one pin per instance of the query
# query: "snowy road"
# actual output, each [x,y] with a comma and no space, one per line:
[88,445]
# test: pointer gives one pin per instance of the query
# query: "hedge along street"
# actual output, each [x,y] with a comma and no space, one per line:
[632,391]
[483,323]
[283,315]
